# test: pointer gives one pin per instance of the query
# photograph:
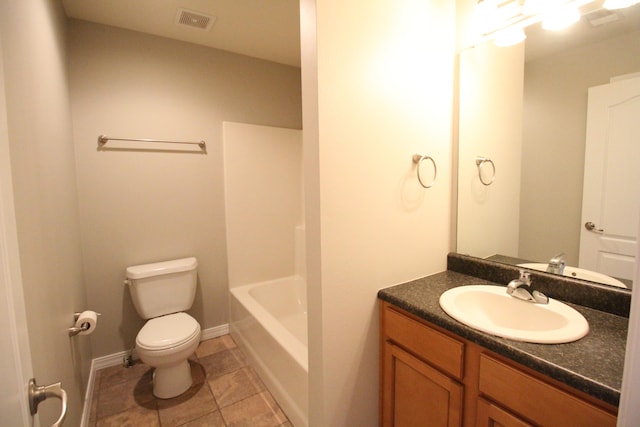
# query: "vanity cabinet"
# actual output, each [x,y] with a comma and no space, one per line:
[431,377]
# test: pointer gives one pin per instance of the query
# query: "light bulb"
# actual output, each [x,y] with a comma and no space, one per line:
[560,18]
[486,16]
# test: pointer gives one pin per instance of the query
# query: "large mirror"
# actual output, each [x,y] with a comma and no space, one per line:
[523,156]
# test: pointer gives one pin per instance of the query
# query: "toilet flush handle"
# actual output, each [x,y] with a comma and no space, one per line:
[38,393]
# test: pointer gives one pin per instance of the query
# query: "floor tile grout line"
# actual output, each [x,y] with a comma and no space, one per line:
[242,361]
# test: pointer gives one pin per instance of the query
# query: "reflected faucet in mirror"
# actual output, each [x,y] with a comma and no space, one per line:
[557,264]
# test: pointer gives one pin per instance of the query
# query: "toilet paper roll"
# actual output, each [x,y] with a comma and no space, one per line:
[87,321]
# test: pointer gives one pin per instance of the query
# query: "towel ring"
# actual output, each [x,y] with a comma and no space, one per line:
[418,159]
[480,162]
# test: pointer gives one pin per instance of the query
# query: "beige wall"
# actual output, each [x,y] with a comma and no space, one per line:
[138,206]
[382,91]
[555,109]
[43,172]
[491,80]
[263,201]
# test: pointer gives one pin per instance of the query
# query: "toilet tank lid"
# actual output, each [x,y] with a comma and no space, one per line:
[160,268]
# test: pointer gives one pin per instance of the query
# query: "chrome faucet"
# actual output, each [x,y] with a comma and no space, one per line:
[557,264]
[516,288]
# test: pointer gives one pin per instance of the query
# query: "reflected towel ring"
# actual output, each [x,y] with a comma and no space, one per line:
[480,161]
[417,159]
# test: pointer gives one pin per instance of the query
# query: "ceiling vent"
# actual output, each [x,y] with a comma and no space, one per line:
[195,19]
[602,17]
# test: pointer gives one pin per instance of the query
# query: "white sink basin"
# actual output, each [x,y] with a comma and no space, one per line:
[489,309]
[579,273]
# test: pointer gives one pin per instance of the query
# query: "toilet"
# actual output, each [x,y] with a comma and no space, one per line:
[161,292]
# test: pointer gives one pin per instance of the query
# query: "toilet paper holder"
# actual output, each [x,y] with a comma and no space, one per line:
[75,330]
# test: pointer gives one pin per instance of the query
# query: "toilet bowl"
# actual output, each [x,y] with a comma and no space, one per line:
[161,292]
[165,343]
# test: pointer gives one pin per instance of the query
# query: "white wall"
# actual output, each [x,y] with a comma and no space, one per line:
[139,206]
[381,92]
[490,126]
[263,200]
[43,174]
[554,132]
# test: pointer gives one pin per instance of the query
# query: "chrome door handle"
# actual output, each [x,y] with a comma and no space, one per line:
[592,227]
[38,393]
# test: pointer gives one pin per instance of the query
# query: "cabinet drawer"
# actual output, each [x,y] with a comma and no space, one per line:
[491,415]
[542,403]
[436,348]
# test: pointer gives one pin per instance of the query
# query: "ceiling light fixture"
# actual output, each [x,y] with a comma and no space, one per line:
[509,37]
[560,18]
[494,17]
[536,7]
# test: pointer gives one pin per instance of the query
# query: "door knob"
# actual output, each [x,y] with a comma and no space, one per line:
[38,393]
[592,227]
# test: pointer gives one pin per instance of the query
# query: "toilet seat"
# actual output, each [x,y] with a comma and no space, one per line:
[165,332]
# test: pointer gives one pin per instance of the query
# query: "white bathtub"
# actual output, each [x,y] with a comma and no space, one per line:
[268,320]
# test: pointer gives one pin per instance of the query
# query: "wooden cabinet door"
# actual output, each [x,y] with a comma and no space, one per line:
[490,415]
[417,395]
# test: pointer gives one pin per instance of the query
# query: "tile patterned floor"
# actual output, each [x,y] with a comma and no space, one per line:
[226,392]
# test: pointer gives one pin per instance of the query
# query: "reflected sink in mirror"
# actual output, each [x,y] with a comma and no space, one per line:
[489,309]
[579,273]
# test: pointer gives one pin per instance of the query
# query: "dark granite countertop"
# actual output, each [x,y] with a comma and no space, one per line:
[592,364]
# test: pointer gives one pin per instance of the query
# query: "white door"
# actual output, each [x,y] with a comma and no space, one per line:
[629,412]
[14,409]
[612,179]
[15,369]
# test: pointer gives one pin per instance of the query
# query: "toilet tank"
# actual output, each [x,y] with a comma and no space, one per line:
[163,287]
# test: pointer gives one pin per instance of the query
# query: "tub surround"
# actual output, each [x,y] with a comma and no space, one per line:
[593,364]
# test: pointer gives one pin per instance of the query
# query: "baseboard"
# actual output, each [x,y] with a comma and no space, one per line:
[117,359]
[216,331]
